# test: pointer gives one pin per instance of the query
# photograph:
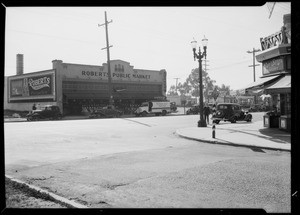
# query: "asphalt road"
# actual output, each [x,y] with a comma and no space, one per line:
[140,162]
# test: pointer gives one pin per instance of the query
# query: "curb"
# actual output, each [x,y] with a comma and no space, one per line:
[229,144]
[56,197]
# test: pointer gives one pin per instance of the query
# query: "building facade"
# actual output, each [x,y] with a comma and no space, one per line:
[75,87]
[276,70]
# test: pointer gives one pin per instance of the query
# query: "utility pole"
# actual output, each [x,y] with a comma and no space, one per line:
[254,65]
[108,59]
[205,61]
[176,83]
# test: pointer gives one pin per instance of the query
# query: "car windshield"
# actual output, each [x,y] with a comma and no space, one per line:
[222,107]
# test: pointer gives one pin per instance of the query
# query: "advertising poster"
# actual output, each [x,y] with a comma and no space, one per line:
[40,85]
[32,87]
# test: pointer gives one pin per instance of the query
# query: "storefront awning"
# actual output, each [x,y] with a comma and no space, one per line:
[261,82]
[283,85]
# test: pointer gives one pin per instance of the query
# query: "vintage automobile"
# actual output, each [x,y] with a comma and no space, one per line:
[195,109]
[108,111]
[46,112]
[257,107]
[230,112]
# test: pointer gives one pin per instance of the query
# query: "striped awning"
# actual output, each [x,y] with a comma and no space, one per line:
[283,85]
[261,82]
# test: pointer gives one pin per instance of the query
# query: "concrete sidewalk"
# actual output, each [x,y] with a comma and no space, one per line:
[240,134]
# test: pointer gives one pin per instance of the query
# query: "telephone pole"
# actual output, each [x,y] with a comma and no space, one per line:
[176,83]
[254,65]
[205,65]
[108,59]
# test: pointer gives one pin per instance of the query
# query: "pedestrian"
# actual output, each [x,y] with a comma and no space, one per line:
[206,112]
[33,107]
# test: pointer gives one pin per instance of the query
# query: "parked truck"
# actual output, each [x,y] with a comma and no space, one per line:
[154,107]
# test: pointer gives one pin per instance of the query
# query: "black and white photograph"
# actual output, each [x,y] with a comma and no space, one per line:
[148,107]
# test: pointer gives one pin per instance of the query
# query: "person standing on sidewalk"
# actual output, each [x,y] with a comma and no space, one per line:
[33,107]
[206,112]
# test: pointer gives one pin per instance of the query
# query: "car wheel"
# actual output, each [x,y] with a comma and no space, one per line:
[216,121]
[164,112]
[233,120]
[144,114]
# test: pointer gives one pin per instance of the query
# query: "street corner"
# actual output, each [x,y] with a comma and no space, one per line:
[232,137]
[203,134]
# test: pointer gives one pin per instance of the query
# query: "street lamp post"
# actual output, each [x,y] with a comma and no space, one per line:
[199,56]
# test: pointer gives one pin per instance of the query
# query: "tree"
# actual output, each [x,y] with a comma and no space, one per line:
[172,91]
[191,86]
[215,93]
[192,83]
[225,89]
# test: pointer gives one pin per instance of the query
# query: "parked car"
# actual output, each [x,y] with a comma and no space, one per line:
[46,112]
[230,112]
[107,111]
[257,107]
[195,109]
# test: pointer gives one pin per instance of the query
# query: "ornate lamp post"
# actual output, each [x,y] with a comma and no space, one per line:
[199,56]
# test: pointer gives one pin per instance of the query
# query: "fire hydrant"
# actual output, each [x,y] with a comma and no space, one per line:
[214,131]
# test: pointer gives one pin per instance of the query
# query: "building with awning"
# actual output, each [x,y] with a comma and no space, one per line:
[276,72]
[283,85]
[260,84]
[74,86]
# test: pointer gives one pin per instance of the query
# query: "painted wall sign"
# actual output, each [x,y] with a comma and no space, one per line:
[32,86]
[273,65]
[41,85]
[114,75]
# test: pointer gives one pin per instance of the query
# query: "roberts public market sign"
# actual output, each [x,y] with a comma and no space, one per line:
[117,75]
[120,71]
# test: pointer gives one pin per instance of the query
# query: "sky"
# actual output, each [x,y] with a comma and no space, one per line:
[151,38]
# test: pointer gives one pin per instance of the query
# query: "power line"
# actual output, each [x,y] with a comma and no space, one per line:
[229,65]
[50,36]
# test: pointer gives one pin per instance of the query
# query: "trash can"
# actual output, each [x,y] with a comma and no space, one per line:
[285,123]
[271,121]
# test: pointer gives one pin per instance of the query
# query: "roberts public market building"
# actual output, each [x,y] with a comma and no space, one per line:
[74,86]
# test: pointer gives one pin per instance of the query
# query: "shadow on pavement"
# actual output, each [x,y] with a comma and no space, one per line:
[276,135]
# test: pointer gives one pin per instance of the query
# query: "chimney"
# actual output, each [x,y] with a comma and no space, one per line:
[56,63]
[20,64]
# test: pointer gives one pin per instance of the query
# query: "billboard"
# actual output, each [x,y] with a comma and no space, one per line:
[32,86]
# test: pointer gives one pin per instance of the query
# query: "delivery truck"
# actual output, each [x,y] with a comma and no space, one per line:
[154,107]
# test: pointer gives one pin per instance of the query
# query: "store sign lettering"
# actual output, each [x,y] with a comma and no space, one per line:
[117,75]
[273,65]
[39,83]
[273,40]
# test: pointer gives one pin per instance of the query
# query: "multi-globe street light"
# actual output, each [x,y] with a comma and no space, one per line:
[199,56]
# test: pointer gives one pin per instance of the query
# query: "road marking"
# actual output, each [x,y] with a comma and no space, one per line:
[136,122]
